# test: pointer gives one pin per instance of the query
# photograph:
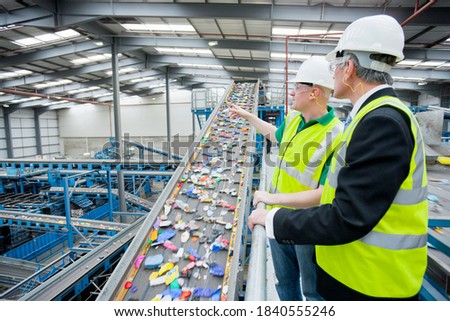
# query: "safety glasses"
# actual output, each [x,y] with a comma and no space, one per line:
[334,64]
[301,87]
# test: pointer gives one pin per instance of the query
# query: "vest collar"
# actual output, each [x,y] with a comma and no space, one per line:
[377,92]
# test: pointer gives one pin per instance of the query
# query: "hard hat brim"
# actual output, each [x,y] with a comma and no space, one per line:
[331,55]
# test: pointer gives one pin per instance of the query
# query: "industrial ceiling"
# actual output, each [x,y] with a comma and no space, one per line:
[57,54]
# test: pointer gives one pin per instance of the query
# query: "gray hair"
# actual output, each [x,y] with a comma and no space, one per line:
[369,75]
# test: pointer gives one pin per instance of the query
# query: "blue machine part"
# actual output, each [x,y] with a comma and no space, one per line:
[37,247]
[82,201]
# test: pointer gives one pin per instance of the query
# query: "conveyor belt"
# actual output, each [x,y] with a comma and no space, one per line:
[205,202]
[113,173]
[20,174]
[13,270]
[133,199]
[59,222]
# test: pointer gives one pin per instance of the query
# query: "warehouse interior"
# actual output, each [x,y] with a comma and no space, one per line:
[111,111]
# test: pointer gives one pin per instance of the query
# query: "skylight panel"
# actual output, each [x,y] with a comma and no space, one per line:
[47,38]
[136,80]
[81,90]
[154,27]
[25,42]
[69,33]
[200,66]
[22,100]
[53,83]
[409,62]
[56,103]
[431,63]
[15,74]
[123,71]
[308,31]
[284,31]
[191,51]
[300,56]
[135,26]
[96,58]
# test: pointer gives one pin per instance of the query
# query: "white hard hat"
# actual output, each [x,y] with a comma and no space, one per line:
[380,34]
[316,71]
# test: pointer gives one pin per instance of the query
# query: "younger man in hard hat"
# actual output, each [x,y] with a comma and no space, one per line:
[371,229]
[307,139]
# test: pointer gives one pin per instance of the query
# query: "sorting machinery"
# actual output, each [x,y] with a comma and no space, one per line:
[190,245]
[53,212]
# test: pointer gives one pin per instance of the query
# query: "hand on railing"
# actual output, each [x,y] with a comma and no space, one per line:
[258,217]
[265,198]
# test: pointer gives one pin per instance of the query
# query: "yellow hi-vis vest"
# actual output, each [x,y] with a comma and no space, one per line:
[303,154]
[389,261]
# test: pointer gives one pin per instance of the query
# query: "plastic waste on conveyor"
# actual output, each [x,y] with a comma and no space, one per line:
[187,254]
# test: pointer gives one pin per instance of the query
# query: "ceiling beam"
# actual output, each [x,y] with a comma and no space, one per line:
[30,80]
[73,12]
[98,82]
[70,13]
[443,75]
[142,42]
[437,75]
[261,45]
[34,16]
[71,48]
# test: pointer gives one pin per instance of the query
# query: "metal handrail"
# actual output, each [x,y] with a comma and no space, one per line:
[256,288]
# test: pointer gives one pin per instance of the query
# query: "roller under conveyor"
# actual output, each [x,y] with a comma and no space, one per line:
[189,246]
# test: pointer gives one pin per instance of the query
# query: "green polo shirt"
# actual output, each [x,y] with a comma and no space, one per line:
[324,120]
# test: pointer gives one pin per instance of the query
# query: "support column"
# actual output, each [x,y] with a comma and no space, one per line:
[169,135]
[68,214]
[8,136]
[193,123]
[110,195]
[37,129]
[117,124]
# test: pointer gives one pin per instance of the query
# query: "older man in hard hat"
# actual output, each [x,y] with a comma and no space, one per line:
[371,229]
[307,140]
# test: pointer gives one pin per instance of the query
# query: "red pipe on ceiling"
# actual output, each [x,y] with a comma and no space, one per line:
[418,11]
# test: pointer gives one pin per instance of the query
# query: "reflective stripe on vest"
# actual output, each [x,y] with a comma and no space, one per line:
[394,242]
[307,176]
